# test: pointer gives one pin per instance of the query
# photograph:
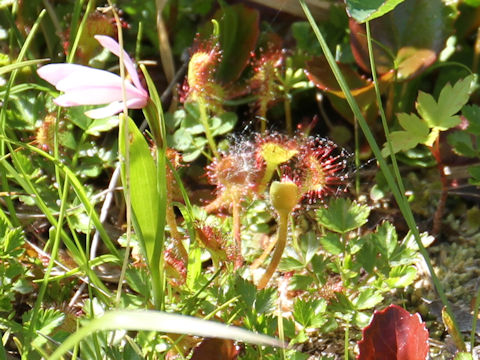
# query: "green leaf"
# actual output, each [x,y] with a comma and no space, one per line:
[364,10]
[181,140]
[265,301]
[332,244]
[366,257]
[462,144]
[401,276]
[415,132]
[342,215]
[472,113]
[451,100]
[227,123]
[474,172]
[47,321]
[318,265]
[194,267]
[102,125]
[310,313]
[289,263]
[247,292]
[367,299]
[464,355]
[239,30]
[143,187]
[300,282]
[309,245]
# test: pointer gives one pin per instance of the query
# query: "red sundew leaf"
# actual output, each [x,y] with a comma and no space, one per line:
[394,334]
[215,349]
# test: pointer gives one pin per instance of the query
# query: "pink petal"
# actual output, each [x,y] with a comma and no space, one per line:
[110,44]
[137,103]
[53,73]
[89,77]
[115,108]
[106,111]
[93,95]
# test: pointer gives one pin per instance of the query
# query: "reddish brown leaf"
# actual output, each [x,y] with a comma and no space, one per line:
[239,30]
[215,349]
[410,36]
[318,71]
[394,334]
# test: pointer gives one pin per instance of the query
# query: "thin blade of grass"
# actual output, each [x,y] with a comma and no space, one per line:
[18,65]
[393,183]
[150,320]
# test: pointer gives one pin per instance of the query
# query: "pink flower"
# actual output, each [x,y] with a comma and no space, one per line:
[83,85]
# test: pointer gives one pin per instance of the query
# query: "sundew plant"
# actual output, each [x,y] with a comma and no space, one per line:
[239,180]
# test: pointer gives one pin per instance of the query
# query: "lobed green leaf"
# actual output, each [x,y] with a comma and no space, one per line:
[342,215]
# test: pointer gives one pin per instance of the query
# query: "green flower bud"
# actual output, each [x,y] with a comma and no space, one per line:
[284,196]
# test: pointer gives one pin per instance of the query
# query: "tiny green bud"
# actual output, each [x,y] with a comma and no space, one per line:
[284,196]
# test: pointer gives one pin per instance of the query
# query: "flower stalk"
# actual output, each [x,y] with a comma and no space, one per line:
[284,197]
[208,132]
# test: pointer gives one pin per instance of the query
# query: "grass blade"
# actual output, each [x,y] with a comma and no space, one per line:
[163,322]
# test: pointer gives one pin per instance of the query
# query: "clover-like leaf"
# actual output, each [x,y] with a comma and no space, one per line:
[441,114]
[343,215]
[394,333]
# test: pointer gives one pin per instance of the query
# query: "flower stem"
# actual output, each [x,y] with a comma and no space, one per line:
[277,255]
[438,217]
[208,133]
[237,223]
[287,106]
[176,236]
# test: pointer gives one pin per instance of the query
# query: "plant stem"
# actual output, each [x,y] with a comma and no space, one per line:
[437,217]
[208,133]
[357,155]
[475,318]
[395,184]
[263,117]
[346,340]
[287,106]
[259,261]
[172,224]
[237,223]
[277,255]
